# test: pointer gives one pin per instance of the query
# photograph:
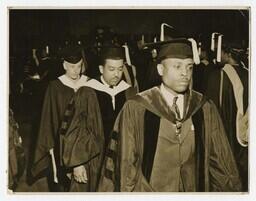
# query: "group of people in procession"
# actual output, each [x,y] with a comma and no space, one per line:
[187,131]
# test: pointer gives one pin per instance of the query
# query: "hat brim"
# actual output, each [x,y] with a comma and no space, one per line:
[158,44]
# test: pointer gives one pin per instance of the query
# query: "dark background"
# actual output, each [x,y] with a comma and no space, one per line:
[28,26]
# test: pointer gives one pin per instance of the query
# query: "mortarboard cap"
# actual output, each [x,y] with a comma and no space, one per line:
[72,53]
[112,53]
[181,48]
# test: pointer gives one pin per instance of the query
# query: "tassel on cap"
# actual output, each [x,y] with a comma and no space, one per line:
[199,48]
[127,55]
[195,51]
[47,49]
[142,39]
[162,30]
[219,48]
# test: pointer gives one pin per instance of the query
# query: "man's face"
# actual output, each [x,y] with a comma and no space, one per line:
[176,73]
[73,70]
[112,71]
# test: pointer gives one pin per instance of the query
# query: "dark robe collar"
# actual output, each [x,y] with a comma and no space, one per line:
[153,101]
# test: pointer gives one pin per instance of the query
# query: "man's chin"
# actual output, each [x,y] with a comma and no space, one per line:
[115,83]
[181,90]
[74,78]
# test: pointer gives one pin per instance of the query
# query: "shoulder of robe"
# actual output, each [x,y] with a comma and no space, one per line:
[87,91]
[54,83]
[133,106]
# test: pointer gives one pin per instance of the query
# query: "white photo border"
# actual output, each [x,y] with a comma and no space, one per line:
[131,4]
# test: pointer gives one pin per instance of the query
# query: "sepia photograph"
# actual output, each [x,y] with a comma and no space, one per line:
[129,99]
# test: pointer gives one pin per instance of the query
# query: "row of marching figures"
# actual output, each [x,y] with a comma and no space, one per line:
[165,115]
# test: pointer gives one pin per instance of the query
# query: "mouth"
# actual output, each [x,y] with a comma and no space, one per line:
[183,82]
[115,80]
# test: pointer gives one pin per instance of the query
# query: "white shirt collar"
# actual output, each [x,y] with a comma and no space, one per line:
[74,85]
[168,96]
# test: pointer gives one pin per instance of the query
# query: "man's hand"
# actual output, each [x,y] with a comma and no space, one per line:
[80,174]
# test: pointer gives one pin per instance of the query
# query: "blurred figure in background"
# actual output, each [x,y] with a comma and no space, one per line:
[17,161]
[228,88]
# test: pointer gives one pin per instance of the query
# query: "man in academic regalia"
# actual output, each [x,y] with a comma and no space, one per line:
[228,88]
[111,90]
[170,138]
[107,95]
[58,94]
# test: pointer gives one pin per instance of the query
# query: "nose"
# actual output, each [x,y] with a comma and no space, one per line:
[184,71]
[116,73]
[77,70]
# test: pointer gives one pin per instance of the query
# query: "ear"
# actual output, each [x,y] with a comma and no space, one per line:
[101,69]
[64,65]
[160,69]
[82,67]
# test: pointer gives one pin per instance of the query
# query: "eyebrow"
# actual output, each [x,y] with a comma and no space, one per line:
[115,66]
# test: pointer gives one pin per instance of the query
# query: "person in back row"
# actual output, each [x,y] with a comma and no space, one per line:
[108,93]
[170,138]
[47,154]
[228,88]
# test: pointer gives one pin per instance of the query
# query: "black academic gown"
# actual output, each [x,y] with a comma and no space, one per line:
[57,98]
[228,111]
[82,138]
[201,74]
[108,113]
[130,156]
[88,121]
[199,77]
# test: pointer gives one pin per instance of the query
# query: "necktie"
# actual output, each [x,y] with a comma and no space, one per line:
[176,110]
[113,98]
